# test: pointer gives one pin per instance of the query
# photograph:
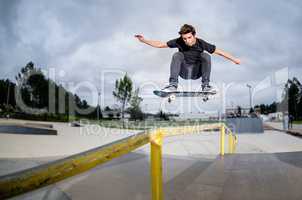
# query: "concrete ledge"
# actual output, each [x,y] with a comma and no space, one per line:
[245,125]
[39,125]
[26,129]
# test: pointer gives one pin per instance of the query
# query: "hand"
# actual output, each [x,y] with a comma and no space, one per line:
[237,61]
[140,37]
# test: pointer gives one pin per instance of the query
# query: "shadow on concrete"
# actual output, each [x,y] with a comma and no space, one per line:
[26,130]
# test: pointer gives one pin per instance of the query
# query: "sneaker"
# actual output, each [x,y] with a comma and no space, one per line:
[169,88]
[207,88]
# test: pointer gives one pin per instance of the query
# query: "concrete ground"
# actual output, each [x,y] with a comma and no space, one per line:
[266,166]
[279,125]
[297,126]
[69,141]
[295,130]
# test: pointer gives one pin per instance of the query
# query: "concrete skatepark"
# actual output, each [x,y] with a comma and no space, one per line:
[265,166]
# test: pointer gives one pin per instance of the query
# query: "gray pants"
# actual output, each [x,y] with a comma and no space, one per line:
[180,68]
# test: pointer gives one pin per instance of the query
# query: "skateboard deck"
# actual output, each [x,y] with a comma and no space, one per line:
[172,95]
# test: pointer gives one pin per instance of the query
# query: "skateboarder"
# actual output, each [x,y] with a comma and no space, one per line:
[190,62]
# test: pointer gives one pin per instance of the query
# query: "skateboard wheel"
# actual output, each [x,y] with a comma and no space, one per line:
[172,97]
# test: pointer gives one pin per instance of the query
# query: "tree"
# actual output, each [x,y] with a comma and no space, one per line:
[123,92]
[162,115]
[38,91]
[99,114]
[33,86]
[238,111]
[107,108]
[272,108]
[135,110]
[7,91]
[266,109]
[292,98]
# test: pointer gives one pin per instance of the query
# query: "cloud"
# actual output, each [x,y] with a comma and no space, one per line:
[85,38]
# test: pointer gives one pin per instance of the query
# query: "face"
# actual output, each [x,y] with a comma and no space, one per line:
[189,39]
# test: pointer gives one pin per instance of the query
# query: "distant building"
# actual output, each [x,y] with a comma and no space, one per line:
[196,116]
[277,116]
[234,112]
[115,114]
[264,118]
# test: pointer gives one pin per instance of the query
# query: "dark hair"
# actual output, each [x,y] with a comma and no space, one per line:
[187,28]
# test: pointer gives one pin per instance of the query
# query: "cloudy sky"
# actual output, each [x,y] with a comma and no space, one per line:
[87,45]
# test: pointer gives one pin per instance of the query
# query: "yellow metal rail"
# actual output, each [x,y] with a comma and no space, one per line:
[156,165]
[156,150]
[232,139]
[30,179]
[34,178]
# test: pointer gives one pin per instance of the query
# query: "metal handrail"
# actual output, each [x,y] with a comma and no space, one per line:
[37,177]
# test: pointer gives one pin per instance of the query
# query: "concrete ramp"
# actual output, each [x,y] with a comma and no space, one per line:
[27,129]
[245,125]
[239,176]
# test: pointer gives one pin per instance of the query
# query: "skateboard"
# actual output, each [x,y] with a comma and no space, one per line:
[172,95]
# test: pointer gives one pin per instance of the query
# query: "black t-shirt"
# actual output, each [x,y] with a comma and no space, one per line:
[192,54]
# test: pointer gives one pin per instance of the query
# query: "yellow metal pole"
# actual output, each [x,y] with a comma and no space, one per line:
[156,166]
[234,143]
[230,142]
[222,134]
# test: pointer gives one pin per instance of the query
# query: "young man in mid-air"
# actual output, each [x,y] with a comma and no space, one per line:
[190,62]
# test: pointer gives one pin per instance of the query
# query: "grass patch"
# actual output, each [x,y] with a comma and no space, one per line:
[147,124]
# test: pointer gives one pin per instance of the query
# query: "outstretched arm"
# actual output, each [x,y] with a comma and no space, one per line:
[227,56]
[153,43]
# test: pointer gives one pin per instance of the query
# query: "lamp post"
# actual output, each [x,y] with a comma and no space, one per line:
[98,107]
[250,94]
[8,91]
